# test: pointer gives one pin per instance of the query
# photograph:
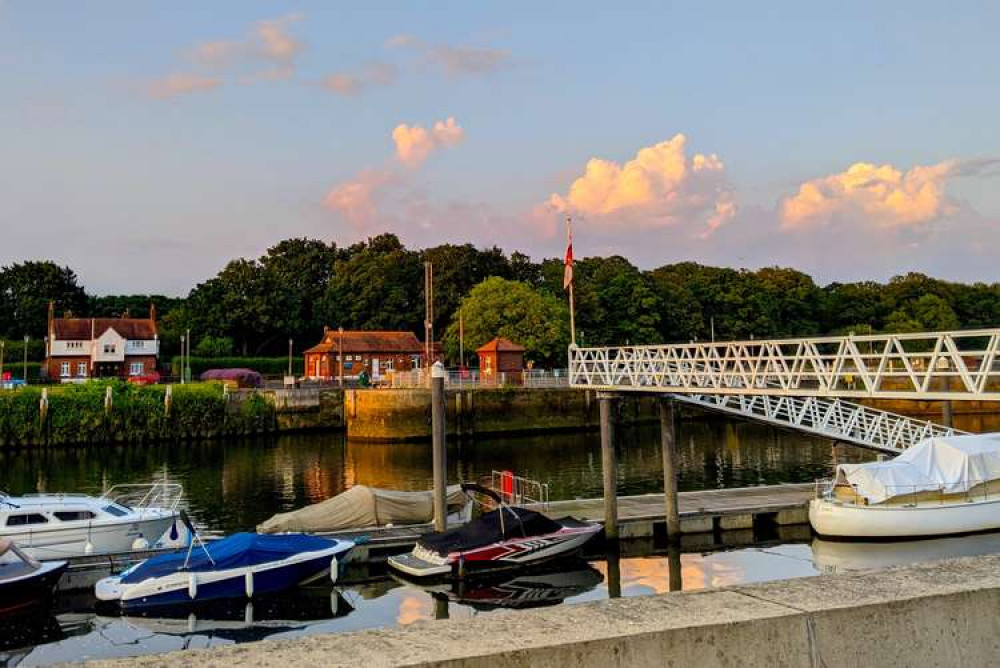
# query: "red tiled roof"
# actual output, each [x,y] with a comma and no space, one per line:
[500,344]
[369,342]
[81,329]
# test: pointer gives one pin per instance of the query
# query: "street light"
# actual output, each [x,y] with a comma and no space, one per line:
[289,357]
[182,359]
[340,356]
[3,344]
[26,339]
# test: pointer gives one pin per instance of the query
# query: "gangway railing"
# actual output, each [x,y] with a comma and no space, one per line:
[517,490]
[830,418]
[959,365]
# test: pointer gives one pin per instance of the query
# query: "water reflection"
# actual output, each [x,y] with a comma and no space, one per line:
[841,556]
[234,485]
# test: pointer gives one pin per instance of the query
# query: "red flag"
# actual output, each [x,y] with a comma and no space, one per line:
[568,271]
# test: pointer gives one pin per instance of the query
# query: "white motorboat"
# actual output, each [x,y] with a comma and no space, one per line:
[939,487]
[126,517]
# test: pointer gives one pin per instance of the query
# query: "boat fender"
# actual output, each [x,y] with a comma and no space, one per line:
[88,548]
[334,569]
[192,586]
[461,566]
[140,543]
[249,584]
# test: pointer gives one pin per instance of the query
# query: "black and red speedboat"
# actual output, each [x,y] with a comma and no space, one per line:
[506,538]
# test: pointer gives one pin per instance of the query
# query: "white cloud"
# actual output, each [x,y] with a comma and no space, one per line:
[176,84]
[660,186]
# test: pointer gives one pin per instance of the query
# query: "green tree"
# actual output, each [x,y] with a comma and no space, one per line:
[515,311]
[457,269]
[25,291]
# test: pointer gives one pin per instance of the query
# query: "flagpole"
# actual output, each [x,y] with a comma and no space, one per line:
[569,279]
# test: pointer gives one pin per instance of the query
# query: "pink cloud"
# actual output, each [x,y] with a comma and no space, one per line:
[355,199]
[415,143]
[176,84]
[373,74]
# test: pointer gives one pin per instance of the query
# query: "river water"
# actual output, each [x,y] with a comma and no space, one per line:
[234,485]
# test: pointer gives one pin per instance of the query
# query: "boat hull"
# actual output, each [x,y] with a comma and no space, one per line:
[30,590]
[505,555]
[182,588]
[847,521]
[62,542]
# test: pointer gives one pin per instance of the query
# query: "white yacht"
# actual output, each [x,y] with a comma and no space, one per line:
[938,487]
[126,517]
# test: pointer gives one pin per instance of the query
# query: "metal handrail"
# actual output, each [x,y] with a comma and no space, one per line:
[166,495]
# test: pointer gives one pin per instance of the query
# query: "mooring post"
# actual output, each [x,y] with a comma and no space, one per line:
[609,464]
[676,580]
[668,439]
[614,574]
[437,435]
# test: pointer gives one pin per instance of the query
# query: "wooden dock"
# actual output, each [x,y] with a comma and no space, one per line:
[704,512]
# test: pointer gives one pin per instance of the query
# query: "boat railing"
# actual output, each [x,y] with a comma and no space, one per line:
[138,496]
[517,490]
[909,496]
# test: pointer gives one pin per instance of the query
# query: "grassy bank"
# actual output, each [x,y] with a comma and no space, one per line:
[77,414]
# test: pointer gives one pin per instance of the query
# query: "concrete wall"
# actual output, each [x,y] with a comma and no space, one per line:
[940,614]
[404,414]
[306,411]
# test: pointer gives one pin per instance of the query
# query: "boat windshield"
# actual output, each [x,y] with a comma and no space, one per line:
[116,510]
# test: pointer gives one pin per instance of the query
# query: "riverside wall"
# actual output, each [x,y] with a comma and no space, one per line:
[936,614]
[405,414]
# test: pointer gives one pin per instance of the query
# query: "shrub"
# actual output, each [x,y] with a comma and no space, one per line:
[242,377]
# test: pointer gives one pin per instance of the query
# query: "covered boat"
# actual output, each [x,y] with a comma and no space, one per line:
[506,538]
[941,486]
[361,507]
[240,566]
[25,582]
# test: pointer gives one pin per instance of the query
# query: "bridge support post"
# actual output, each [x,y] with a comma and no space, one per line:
[668,438]
[947,414]
[609,466]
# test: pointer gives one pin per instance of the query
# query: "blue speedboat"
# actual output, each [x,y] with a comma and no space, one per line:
[240,566]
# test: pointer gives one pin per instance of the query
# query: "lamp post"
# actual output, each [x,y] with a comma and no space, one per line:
[26,339]
[3,344]
[182,359]
[340,356]
[289,357]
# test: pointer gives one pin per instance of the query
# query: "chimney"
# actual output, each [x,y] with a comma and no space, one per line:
[152,311]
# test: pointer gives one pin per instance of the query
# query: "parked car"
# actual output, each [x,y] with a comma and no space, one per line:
[145,379]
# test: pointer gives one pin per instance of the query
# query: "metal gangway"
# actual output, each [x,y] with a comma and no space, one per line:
[934,366]
[803,384]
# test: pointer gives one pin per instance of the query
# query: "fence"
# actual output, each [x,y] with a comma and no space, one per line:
[473,378]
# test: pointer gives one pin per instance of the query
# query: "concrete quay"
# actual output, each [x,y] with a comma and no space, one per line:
[937,614]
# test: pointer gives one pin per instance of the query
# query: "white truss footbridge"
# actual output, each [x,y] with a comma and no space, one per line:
[933,366]
[803,384]
[839,420]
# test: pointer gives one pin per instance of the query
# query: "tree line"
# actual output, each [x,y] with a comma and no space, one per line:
[253,306]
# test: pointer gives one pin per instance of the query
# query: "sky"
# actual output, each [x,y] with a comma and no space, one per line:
[147,144]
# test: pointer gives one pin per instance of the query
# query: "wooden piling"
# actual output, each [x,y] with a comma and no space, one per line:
[668,438]
[947,414]
[676,580]
[438,447]
[609,465]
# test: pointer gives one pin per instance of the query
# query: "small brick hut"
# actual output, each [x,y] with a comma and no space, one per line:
[500,356]
[378,353]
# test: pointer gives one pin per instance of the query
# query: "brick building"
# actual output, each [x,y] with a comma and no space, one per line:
[378,353]
[80,348]
[500,356]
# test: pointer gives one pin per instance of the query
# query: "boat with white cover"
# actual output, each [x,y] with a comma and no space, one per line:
[938,487]
[126,517]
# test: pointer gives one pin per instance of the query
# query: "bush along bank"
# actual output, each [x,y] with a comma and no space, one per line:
[88,414]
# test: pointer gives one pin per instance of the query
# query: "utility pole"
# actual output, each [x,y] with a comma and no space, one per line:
[26,339]
[3,344]
[289,357]
[461,340]
[182,359]
[340,356]
[428,313]
[187,367]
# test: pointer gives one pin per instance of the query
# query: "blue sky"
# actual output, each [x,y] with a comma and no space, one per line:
[147,144]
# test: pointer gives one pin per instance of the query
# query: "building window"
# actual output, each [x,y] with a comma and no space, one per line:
[64,370]
[109,349]
[136,369]
[138,344]
[74,345]
[81,369]
[390,365]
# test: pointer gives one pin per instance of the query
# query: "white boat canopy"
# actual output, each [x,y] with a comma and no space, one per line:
[951,465]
